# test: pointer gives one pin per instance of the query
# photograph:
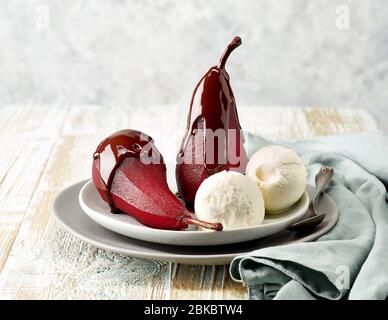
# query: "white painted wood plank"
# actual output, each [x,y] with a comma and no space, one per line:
[25,150]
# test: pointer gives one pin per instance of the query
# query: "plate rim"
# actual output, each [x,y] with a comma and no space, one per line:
[303,209]
[170,257]
[131,252]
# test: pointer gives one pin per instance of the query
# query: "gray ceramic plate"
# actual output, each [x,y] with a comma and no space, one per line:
[69,213]
[98,210]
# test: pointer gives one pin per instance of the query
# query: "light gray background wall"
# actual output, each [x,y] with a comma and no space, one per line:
[153,52]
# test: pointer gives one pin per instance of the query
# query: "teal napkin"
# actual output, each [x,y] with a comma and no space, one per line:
[351,261]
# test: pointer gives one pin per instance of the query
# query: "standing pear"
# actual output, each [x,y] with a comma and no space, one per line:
[213,141]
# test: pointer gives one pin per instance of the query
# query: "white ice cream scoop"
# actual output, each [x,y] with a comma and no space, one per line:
[280,174]
[230,198]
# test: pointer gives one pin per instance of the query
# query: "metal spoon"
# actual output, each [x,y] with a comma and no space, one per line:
[322,179]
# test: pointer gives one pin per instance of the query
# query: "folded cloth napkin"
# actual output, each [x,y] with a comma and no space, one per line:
[350,261]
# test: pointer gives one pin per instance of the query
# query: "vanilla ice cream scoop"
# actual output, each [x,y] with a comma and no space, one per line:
[230,198]
[280,174]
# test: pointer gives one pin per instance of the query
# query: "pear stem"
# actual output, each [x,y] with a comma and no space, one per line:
[236,42]
[208,225]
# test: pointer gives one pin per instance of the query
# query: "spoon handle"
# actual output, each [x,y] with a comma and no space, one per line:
[322,179]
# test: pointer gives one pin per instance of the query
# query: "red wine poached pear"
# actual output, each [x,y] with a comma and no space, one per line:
[130,175]
[213,141]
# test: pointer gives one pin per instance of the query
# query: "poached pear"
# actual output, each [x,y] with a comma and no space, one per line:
[130,175]
[213,141]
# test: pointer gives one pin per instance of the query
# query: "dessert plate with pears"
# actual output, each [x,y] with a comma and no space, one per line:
[210,206]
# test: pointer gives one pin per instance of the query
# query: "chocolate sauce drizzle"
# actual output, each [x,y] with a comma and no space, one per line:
[210,108]
[112,151]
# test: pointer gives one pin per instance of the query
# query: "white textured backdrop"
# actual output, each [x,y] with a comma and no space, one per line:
[144,52]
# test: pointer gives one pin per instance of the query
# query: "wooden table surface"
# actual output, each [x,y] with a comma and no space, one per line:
[46,148]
